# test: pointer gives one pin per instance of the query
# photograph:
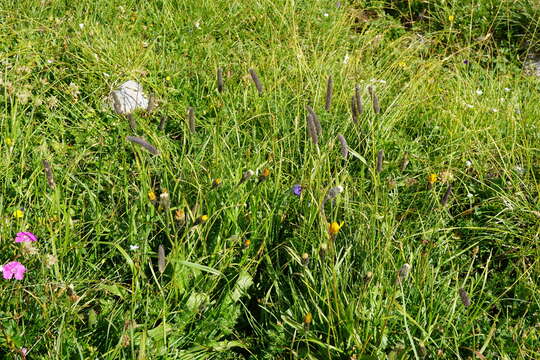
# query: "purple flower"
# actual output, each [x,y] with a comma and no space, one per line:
[13,269]
[466,62]
[297,189]
[25,237]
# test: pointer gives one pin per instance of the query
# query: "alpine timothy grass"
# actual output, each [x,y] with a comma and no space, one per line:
[49,174]
[380,159]
[162,122]
[220,80]
[332,193]
[465,299]
[329,90]
[446,196]
[132,121]
[374,100]
[152,104]
[191,120]
[312,129]
[246,175]
[343,146]
[358,100]
[403,273]
[162,261]
[256,81]
[354,110]
[315,119]
[145,144]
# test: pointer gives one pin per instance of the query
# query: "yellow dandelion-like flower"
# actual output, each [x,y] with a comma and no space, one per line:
[9,142]
[308,318]
[432,178]
[334,228]
[451,18]
[201,219]
[247,242]
[17,214]
[402,64]
[216,182]
[168,78]
[180,215]
[152,196]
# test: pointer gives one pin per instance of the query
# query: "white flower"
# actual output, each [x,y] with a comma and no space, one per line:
[470,196]
[346,59]
[197,25]
[519,170]
[133,247]
[81,26]
[50,61]
[325,14]
[479,92]
[468,163]
[494,110]
[507,89]
[502,99]
[469,106]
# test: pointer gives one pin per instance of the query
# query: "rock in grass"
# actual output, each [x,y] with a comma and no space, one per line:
[129,97]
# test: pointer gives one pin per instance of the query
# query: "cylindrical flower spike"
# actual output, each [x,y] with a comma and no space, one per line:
[344,147]
[256,81]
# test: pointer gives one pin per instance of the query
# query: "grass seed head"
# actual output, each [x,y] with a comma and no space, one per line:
[161,259]
[344,147]
[256,81]
[380,158]
[329,90]
[49,174]
[220,79]
[164,200]
[403,273]
[465,299]
[191,120]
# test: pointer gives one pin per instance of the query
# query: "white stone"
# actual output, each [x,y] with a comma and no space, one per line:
[129,97]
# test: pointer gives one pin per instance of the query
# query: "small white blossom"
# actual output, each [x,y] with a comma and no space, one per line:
[507,89]
[133,247]
[468,163]
[469,106]
[502,99]
[479,92]
[50,61]
[470,196]
[325,14]
[81,26]
[494,110]
[519,170]
[346,59]
[197,25]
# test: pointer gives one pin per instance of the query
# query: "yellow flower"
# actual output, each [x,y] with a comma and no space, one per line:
[201,219]
[402,64]
[451,18]
[334,228]
[216,182]
[17,214]
[308,318]
[168,78]
[432,178]
[151,196]
[247,242]
[9,142]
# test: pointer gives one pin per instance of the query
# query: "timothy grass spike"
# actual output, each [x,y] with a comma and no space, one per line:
[145,144]
[354,111]
[358,98]
[329,90]
[161,259]
[191,119]
[446,195]
[220,79]
[315,118]
[344,146]
[49,174]
[312,129]
[256,80]
[380,158]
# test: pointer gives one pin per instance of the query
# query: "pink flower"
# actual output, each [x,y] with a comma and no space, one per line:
[12,269]
[25,237]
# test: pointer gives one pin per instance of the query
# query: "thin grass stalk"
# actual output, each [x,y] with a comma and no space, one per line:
[145,144]
[329,91]
[256,80]
[220,79]
[191,120]
[49,174]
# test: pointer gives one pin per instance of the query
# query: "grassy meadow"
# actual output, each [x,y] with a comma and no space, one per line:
[417,239]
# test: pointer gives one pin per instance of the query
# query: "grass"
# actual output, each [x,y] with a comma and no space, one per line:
[241,282]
